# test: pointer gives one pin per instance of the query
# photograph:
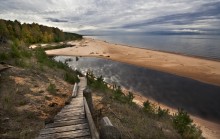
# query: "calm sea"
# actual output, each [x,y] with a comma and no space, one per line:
[194,45]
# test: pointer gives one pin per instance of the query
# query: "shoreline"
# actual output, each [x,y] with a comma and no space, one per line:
[141,57]
[163,51]
[203,70]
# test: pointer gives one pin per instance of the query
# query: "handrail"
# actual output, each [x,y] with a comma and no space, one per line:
[75,90]
[93,130]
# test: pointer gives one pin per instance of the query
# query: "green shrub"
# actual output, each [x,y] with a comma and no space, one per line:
[41,55]
[148,107]
[15,53]
[4,56]
[118,94]
[70,78]
[162,112]
[26,53]
[129,98]
[52,89]
[183,124]
[21,63]
[55,47]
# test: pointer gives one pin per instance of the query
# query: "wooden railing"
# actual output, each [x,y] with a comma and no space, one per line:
[107,130]
[93,130]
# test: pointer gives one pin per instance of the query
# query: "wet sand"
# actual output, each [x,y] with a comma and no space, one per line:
[203,70]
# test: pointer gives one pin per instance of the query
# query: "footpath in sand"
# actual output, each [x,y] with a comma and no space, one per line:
[203,70]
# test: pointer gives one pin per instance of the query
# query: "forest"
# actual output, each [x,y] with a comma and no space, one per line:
[32,33]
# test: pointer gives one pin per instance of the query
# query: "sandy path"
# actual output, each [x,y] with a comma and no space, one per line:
[198,69]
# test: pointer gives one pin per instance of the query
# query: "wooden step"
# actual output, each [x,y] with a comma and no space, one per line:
[70,134]
[66,123]
[72,118]
[63,115]
[52,130]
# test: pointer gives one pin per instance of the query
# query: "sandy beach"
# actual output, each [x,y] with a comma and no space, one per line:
[203,70]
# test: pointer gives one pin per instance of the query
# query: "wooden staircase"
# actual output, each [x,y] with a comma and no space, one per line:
[72,121]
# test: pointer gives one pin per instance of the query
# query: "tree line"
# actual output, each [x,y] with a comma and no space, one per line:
[33,33]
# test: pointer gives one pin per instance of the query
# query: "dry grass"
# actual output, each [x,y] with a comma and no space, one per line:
[131,120]
[25,102]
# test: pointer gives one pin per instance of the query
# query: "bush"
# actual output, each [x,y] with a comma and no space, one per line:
[118,94]
[148,107]
[70,78]
[4,56]
[21,63]
[41,55]
[15,53]
[183,124]
[96,83]
[162,112]
[52,89]
[129,98]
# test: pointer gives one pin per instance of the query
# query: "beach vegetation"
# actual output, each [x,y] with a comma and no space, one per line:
[52,89]
[135,120]
[70,78]
[184,125]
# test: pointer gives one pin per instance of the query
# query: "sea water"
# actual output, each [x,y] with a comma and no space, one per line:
[193,45]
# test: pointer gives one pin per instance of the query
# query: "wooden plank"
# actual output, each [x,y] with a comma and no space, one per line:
[70,134]
[74,104]
[77,107]
[64,129]
[63,115]
[86,137]
[93,130]
[66,123]
[70,112]
[72,118]
[77,98]
[72,109]
[57,117]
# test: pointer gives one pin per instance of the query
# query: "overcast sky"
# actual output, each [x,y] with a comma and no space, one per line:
[118,16]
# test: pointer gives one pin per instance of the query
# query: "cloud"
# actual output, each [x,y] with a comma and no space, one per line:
[55,20]
[103,16]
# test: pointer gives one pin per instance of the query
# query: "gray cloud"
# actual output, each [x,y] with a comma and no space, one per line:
[108,16]
[55,20]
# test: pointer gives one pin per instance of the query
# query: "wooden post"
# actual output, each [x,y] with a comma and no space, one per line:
[108,131]
[87,93]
